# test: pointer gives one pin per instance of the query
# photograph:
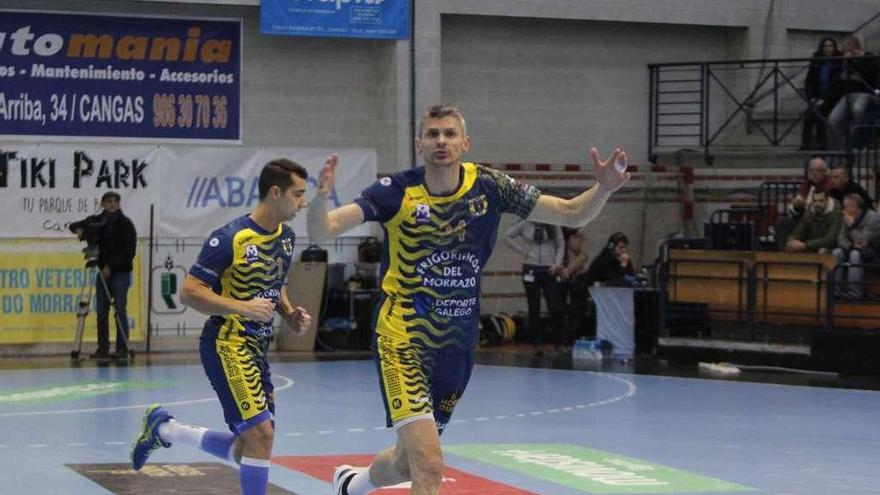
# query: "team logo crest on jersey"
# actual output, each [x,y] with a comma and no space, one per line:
[478,206]
[423,213]
[287,246]
[385,181]
[250,253]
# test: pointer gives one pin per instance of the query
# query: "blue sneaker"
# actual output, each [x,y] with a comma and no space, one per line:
[149,439]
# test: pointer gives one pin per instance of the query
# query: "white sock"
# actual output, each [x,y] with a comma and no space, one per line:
[174,431]
[361,484]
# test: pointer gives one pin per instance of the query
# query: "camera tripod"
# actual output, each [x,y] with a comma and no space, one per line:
[85,300]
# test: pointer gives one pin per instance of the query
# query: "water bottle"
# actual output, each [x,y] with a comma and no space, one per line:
[579,350]
[595,352]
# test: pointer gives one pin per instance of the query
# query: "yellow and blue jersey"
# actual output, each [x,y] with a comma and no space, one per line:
[435,251]
[241,260]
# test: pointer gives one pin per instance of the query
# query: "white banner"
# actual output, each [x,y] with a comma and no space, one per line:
[43,188]
[203,188]
[195,189]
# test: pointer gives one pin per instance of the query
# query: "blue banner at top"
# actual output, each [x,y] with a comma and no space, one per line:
[385,19]
[119,77]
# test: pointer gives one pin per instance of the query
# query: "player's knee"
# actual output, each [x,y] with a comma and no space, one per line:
[260,437]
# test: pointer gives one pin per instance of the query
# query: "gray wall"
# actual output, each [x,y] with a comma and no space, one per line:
[541,90]
[538,79]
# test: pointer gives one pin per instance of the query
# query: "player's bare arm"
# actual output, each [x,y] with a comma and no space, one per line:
[323,224]
[580,210]
[199,296]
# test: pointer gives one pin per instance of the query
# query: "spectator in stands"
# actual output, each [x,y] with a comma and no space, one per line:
[817,180]
[857,243]
[613,265]
[841,185]
[817,230]
[543,249]
[822,73]
[573,275]
[857,87]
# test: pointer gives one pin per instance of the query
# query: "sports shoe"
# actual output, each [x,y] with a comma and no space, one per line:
[149,439]
[341,478]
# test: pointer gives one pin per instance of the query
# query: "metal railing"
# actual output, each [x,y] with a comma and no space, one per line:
[704,105]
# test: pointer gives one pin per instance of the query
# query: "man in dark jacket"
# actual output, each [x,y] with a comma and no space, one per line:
[817,230]
[117,241]
[841,186]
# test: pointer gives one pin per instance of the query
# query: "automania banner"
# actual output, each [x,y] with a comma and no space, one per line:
[115,77]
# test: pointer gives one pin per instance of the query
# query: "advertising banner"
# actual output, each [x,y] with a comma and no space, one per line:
[383,19]
[40,290]
[44,188]
[204,188]
[195,189]
[118,77]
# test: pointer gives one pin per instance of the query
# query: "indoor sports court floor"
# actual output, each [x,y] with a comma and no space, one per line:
[518,430]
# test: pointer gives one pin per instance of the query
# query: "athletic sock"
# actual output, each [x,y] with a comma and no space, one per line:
[219,444]
[254,476]
[173,431]
[360,484]
[216,443]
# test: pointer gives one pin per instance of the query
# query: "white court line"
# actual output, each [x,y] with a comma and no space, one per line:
[288,383]
[631,390]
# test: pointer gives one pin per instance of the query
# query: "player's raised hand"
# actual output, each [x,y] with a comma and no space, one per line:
[327,175]
[610,174]
[258,309]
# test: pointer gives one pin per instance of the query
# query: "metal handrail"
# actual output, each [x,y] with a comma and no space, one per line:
[696,130]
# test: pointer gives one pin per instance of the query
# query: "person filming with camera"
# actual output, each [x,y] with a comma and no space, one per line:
[114,236]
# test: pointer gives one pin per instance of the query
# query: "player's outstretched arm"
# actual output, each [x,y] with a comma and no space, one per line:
[323,224]
[578,211]
[199,296]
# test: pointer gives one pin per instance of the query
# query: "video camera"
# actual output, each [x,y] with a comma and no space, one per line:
[89,230]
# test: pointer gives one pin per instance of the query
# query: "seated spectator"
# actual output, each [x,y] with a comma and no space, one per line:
[817,88]
[612,266]
[857,90]
[817,180]
[818,228]
[857,243]
[841,185]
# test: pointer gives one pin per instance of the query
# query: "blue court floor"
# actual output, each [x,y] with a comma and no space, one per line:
[536,423]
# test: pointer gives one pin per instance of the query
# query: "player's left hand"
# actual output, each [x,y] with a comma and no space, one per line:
[610,174]
[298,320]
[327,175]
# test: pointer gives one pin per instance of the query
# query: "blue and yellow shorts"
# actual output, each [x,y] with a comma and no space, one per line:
[420,383]
[239,374]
